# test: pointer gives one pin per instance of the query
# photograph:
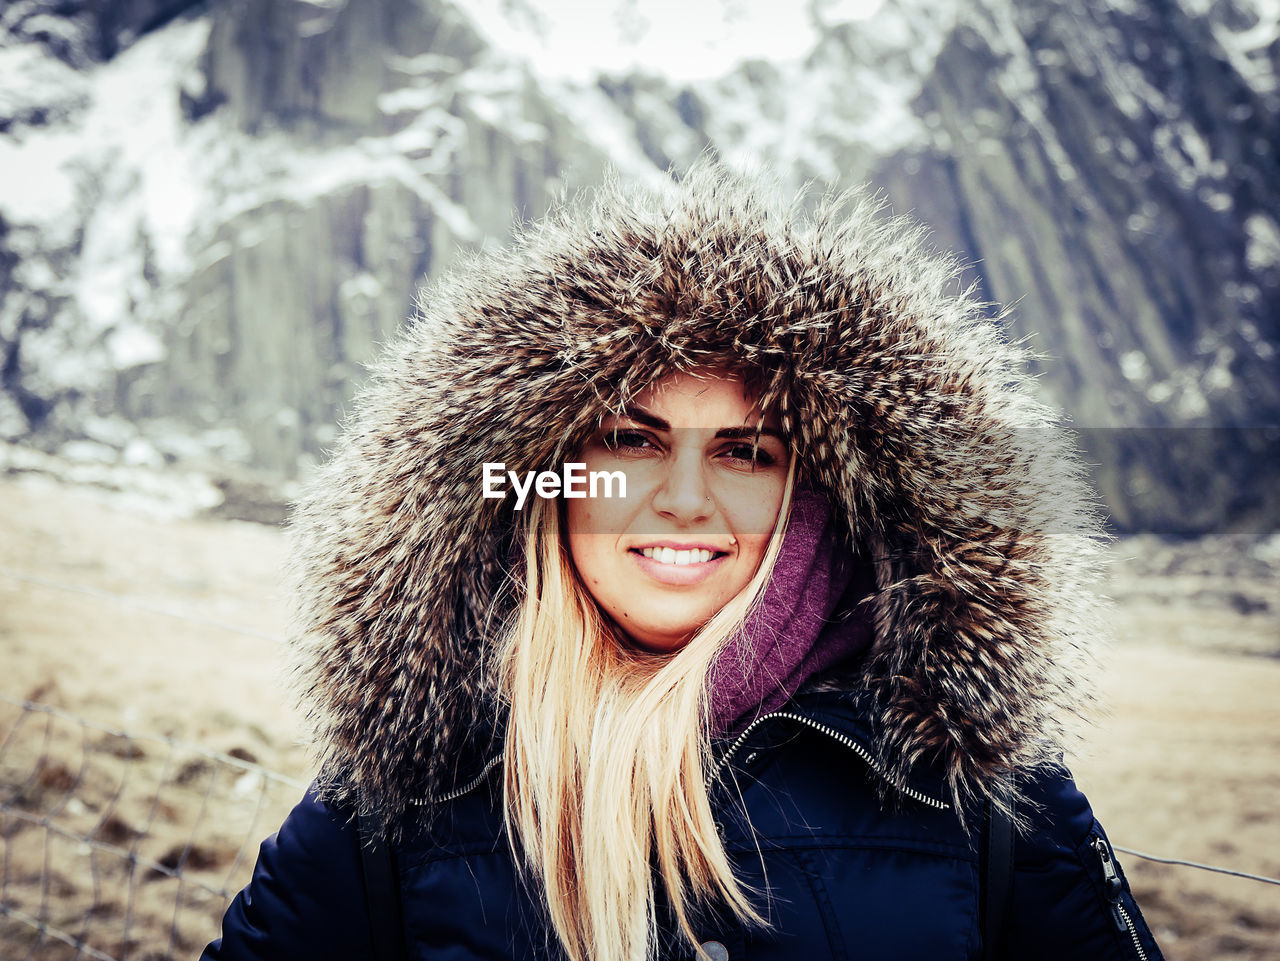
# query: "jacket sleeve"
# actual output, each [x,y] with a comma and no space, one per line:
[1070,898]
[306,896]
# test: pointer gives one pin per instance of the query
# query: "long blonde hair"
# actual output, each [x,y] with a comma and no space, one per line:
[606,756]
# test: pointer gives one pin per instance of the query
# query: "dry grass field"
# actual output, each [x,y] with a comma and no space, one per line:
[169,628]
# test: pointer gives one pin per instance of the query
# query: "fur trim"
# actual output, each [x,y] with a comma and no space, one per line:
[901,397]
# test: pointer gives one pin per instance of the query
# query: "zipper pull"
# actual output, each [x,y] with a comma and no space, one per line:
[1111,883]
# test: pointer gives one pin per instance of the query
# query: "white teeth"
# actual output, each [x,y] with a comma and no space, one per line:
[669,555]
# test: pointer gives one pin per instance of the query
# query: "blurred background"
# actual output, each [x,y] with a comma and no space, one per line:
[213,213]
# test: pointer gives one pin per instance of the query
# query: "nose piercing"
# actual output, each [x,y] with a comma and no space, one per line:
[733,541]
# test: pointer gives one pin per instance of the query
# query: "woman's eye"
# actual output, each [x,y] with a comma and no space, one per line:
[625,440]
[750,454]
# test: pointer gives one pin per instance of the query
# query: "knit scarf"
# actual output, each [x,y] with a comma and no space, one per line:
[793,632]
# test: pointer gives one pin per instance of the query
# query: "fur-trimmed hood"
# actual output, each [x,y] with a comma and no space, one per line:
[896,389]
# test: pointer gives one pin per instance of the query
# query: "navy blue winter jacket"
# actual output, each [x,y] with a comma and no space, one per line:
[847,877]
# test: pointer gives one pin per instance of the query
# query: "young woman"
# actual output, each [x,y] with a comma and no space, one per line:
[780,700]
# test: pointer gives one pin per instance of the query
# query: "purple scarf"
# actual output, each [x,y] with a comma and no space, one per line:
[790,635]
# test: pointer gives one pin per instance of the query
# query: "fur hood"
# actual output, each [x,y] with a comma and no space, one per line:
[900,396]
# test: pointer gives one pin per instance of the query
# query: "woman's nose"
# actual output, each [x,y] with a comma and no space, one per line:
[683,493]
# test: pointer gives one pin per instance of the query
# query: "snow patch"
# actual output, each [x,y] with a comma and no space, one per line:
[165,494]
[797,115]
[139,452]
[578,41]
[37,188]
[425,63]
[1185,152]
[132,346]
[1218,378]
[1262,248]
[1020,82]
[13,424]
[1134,366]
[409,99]
[1249,50]
[136,109]
[594,115]
[31,81]
[56,363]
[846,11]
[363,284]
[1189,402]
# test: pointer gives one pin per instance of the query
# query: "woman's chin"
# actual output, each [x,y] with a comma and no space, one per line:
[665,637]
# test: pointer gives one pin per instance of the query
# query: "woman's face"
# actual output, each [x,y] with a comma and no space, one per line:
[702,500]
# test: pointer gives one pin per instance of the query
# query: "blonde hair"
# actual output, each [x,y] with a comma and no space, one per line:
[606,756]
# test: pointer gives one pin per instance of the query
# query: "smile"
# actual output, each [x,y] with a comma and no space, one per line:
[668,555]
[678,566]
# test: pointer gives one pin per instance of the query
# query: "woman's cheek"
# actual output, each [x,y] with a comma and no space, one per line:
[751,509]
[617,514]
[601,514]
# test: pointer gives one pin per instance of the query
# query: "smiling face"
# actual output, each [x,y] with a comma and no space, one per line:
[702,501]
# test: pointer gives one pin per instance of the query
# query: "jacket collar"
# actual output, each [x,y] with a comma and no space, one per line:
[839,717]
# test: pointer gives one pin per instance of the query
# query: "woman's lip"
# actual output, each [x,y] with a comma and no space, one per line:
[676,574]
[678,546]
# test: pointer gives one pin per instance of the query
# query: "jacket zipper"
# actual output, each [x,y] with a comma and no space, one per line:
[466,788]
[831,732]
[1113,886]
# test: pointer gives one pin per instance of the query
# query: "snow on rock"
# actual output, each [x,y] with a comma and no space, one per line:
[150,228]
[141,484]
[1252,50]
[678,40]
[37,88]
[98,203]
[128,145]
[133,346]
[38,188]
[1263,247]
[210,233]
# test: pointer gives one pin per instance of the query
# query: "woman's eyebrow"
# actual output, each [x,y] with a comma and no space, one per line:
[642,416]
[745,433]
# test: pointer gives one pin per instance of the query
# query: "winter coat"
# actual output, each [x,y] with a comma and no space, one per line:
[863,795]
[847,878]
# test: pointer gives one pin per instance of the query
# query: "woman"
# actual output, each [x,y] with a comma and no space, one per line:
[761,707]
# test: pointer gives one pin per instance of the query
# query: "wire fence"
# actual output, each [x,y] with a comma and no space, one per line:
[120,847]
[1183,862]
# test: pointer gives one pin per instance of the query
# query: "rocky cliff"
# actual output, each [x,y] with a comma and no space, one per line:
[211,214]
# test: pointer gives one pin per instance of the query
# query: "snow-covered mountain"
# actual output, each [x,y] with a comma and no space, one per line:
[211,213]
